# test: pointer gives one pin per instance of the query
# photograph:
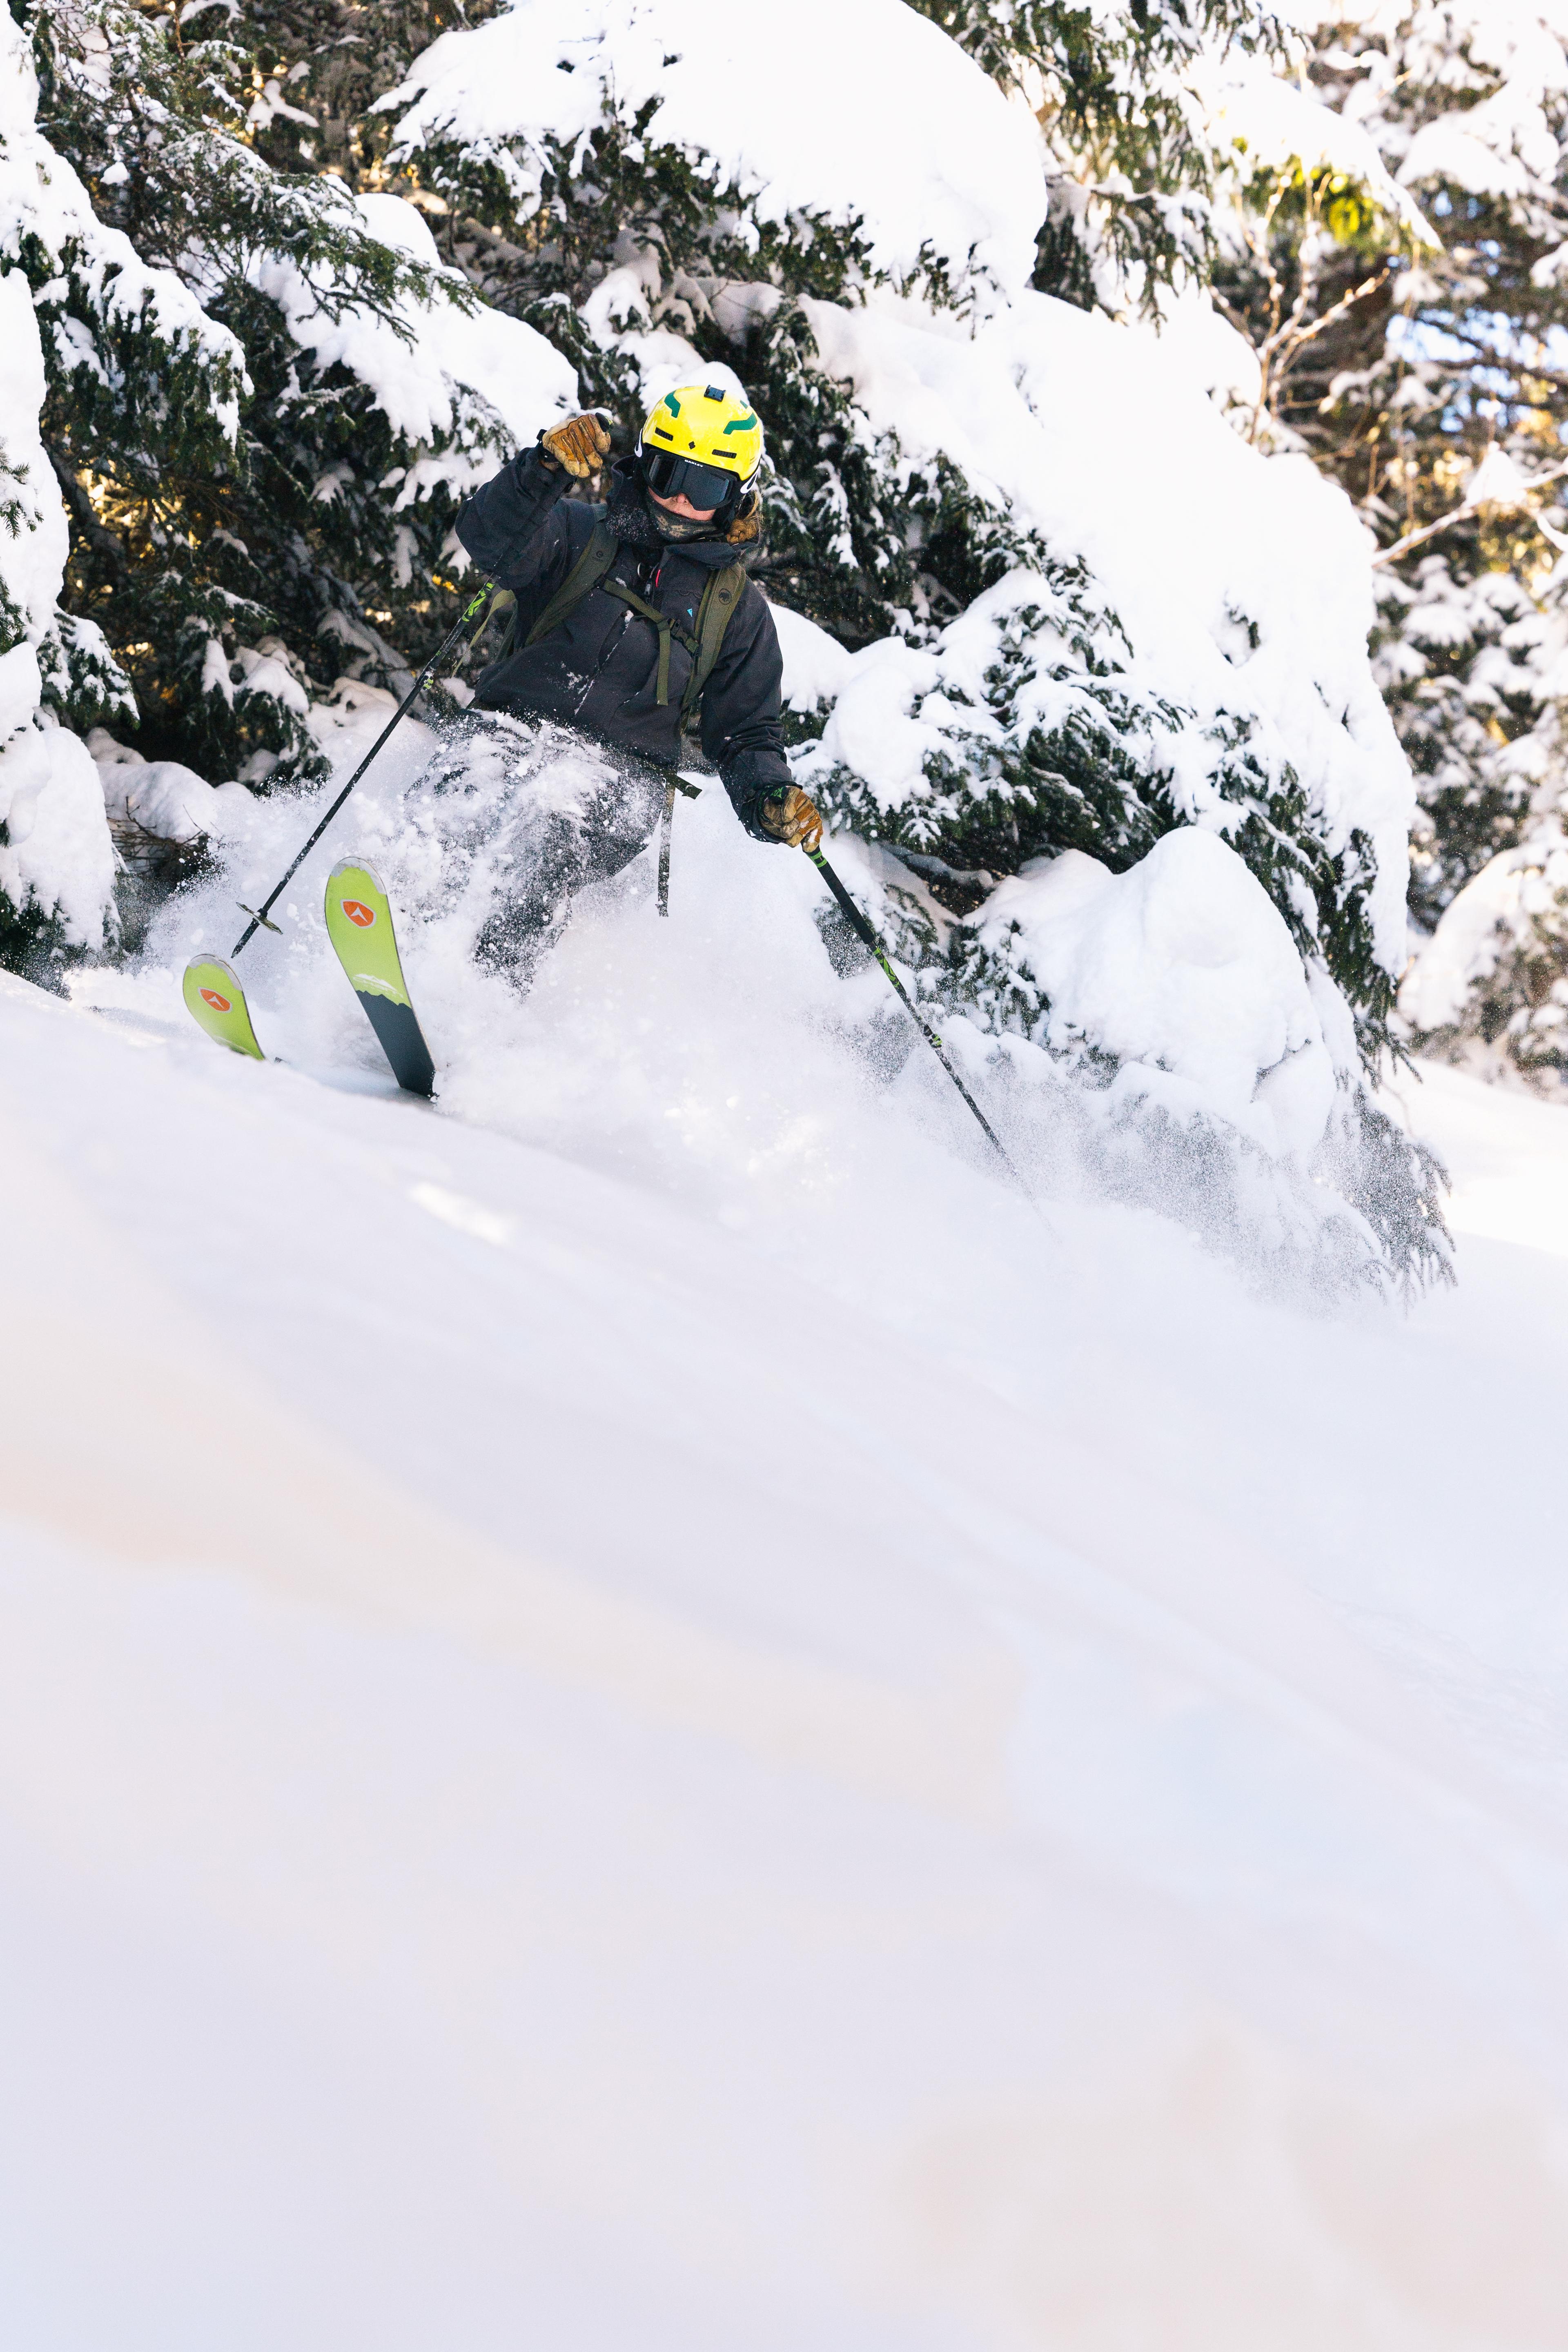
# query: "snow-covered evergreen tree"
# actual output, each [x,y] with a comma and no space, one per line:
[1411,365]
[1132,161]
[1470,667]
[235,554]
[1480,111]
[137,340]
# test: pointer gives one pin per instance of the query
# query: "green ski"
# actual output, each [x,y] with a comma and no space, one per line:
[359,924]
[213,996]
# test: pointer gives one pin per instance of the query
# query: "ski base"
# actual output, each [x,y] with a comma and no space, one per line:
[215,1001]
[359,924]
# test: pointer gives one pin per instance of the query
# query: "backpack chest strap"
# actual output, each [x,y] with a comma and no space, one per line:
[665,623]
[720,594]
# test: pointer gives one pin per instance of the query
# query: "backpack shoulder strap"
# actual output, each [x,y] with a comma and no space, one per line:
[583,577]
[720,599]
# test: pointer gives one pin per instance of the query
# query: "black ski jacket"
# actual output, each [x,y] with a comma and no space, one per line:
[597,669]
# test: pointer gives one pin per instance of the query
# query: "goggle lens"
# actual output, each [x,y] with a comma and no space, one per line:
[670,477]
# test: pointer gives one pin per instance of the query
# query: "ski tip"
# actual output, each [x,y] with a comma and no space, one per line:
[216,1002]
[359,913]
[357,865]
[361,929]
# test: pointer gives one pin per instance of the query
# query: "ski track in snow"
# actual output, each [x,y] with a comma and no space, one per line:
[632,1714]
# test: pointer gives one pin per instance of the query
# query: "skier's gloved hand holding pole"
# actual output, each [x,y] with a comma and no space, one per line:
[787,815]
[580,445]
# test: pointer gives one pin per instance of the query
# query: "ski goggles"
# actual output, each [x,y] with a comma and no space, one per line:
[670,477]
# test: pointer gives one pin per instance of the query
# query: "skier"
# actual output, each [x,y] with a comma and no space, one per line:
[660,557]
[634,618]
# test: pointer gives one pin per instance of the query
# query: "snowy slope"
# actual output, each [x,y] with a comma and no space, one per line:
[633,1713]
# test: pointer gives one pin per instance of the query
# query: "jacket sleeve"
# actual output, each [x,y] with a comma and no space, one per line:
[742,732]
[506,526]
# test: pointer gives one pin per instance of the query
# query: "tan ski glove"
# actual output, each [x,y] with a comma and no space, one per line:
[582,444]
[792,818]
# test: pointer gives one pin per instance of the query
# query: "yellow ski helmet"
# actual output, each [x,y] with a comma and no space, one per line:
[701,444]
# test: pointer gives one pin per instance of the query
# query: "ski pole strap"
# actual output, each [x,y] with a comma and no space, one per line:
[866,933]
[503,601]
[260,914]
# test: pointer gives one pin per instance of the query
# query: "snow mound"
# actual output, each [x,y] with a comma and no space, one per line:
[817,668]
[56,855]
[772,1765]
[160,798]
[792,109]
[1182,968]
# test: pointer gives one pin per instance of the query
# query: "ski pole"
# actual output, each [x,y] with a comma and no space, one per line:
[258,914]
[927,1031]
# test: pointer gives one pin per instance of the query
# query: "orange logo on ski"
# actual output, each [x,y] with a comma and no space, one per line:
[219,1003]
[358,912]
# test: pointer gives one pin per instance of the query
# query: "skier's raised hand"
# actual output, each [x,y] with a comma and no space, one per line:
[790,817]
[580,444]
